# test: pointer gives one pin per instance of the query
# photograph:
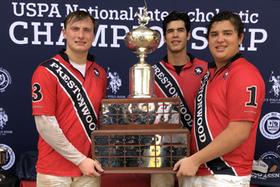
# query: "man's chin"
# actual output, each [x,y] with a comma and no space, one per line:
[82,49]
[176,50]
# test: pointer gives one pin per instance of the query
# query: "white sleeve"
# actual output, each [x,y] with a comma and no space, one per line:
[50,131]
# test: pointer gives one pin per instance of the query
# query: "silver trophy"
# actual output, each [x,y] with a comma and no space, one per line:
[142,41]
[139,134]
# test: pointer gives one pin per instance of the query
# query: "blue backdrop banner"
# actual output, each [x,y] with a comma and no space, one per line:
[31,33]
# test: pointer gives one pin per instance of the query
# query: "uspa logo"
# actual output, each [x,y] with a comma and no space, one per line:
[3,118]
[10,158]
[274,89]
[5,79]
[114,80]
[270,125]
[3,123]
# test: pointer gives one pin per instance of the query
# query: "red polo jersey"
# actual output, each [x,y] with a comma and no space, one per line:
[234,93]
[50,98]
[188,79]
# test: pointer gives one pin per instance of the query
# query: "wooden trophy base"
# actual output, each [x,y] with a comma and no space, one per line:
[140,135]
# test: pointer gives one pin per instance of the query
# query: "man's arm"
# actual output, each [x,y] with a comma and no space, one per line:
[233,136]
[50,131]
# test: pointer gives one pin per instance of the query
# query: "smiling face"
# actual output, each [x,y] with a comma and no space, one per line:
[176,36]
[79,35]
[223,41]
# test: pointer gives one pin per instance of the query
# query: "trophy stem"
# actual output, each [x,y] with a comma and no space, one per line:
[142,58]
[141,79]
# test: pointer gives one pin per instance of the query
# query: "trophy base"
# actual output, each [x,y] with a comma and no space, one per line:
[140,150]
[140,135]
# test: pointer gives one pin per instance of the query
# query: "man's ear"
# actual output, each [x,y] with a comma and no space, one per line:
[63,32]
[189,35]
[240,39]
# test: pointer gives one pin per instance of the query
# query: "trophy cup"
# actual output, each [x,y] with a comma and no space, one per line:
[142,41]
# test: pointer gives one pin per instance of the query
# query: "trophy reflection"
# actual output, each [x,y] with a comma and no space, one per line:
[142,41]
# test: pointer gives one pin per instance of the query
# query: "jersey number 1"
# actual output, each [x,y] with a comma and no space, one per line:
[252,96]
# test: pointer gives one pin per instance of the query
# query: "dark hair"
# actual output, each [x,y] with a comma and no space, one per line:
[77,16]
[230,16]
[175,15]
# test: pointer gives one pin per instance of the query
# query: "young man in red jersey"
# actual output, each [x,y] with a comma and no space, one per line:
[66,95]
[177,75]
[227,111]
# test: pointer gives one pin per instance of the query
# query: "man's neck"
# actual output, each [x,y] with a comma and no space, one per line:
[78,58]
[220,65]
[178,59]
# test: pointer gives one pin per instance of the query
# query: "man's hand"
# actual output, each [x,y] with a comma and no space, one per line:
[91,167]
[186,167]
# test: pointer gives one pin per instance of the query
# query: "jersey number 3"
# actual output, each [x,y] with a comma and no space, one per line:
[252,96]
[36,92]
